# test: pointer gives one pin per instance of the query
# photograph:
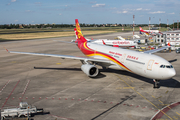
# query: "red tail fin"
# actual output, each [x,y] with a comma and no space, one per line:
[168,44]
[140,28]
[103,42]
[79,33]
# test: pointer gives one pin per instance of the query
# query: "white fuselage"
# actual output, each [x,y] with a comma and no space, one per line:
[143,64]
[120,43]
[152,31]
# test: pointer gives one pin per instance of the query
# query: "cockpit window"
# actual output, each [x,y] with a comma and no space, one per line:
[166,66]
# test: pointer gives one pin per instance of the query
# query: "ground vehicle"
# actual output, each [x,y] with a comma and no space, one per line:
[178,50]
[22,111]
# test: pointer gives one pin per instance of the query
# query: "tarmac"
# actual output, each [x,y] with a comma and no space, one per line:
[66,93]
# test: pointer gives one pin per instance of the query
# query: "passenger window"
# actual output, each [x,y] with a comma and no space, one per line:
[161,66]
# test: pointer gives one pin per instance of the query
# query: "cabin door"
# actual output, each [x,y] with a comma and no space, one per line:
[123,58]
[150,64]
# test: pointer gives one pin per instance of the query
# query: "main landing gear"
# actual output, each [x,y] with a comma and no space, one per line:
[156,83]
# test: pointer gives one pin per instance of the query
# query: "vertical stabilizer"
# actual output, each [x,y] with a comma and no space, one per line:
[79,32]
[140,28]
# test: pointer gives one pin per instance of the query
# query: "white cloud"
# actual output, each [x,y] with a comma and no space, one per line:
[157,12]
[139,9]
[13,0]
[147,9]
[98,5]
[125,11]
[38,3]
[92,2]
[172,13]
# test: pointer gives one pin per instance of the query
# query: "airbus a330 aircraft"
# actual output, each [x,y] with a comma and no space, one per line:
[114,43]
[150,32]
[142,63]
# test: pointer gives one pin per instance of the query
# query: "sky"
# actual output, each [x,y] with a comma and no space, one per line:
[89,11]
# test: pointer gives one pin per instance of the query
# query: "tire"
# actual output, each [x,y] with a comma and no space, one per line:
[22,116]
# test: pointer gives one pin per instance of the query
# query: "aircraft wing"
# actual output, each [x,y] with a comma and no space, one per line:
[104,61]
[156,50]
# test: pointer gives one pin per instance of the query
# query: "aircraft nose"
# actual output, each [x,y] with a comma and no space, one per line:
[172,73]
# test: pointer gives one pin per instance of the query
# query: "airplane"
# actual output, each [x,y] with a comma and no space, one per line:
[141,63]
[148,32]
[114,43]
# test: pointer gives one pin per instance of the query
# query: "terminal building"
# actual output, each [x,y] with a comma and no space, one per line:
[172,37]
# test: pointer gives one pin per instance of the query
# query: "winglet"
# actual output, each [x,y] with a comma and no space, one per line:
[6,49]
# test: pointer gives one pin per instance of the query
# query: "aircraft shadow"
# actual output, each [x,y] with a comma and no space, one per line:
[116,105]
[100,75]
[73,69]
[172,83]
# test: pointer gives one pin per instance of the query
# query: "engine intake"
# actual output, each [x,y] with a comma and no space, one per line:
[90,70]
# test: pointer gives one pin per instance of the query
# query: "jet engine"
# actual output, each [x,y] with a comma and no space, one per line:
[90,70]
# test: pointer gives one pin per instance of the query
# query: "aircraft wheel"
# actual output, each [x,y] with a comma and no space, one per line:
[156,83]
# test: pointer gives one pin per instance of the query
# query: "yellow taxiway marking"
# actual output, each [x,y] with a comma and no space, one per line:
[153,96]
[125,88]
[167,91]
[58,63]
[161,102]
[175,117]
[144,97]
[177,113]
[129,79]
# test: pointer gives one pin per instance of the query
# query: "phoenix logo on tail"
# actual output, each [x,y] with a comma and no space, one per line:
[78,30]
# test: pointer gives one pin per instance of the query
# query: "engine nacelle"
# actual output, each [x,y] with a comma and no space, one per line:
[90,70]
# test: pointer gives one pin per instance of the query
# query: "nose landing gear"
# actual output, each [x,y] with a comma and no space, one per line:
[156,83]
